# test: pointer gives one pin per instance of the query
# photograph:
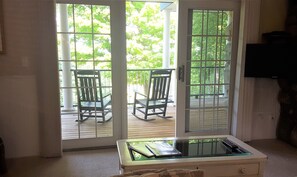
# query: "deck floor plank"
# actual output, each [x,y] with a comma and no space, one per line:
[136,128]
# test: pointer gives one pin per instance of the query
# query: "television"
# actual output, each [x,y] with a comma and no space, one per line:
[271,61]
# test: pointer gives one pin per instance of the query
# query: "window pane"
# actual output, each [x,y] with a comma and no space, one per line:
[105,65]
[84,43]
[197,21]
[212,22]
[83,18]
[102,47]
[196,48]
[66,46]
[84,46]
[207,89]
[101,19]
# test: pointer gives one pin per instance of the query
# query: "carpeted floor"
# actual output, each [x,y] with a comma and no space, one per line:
[89,163]
[282,157]
[282,162]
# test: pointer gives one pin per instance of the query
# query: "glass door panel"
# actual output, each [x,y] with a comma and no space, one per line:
[207,101]
[210,52]
[84,41]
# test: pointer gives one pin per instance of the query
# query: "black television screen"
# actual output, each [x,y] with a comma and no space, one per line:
[270,60]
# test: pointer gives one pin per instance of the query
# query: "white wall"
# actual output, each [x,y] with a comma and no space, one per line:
[19,119]
[266,108]
[19,127]
[29,104]
[273,15]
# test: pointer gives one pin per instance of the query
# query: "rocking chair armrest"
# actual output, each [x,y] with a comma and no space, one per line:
[140,94]
[107,95]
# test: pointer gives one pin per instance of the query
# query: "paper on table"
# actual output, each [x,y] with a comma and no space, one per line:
[141,149]
[160,149]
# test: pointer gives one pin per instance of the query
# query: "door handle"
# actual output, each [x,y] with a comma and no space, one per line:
[181,73]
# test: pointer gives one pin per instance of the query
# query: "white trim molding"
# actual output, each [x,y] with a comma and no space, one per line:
[244,87]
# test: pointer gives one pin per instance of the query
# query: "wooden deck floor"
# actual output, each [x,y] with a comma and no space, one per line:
[149,129]
[143,129]
[136,128]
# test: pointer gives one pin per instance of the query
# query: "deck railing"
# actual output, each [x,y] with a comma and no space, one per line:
[137,80]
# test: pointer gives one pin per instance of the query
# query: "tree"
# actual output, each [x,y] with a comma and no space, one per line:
[144,35]
[144,38]
[209,50]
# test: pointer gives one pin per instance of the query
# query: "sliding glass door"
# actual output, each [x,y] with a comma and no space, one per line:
[91,37]
[207,45]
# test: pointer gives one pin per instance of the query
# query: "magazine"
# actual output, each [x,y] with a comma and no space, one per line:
[141,149]
[162,148]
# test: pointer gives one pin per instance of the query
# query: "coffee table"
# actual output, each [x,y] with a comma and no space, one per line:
[209,153]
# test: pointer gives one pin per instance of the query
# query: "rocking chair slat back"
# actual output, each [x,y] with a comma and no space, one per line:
[156,99]
[90,95]
[160,83]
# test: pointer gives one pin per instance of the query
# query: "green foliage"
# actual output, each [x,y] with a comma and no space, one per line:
[145,39]
[209,50]
[91,43]
[144,35]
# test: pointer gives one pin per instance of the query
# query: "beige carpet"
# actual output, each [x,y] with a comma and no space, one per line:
[282,162]
[282,157]
[91,163]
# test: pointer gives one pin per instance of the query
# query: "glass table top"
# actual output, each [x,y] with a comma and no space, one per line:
[184,148]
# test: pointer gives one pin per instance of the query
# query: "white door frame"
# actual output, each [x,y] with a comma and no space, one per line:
[183,7]
[118,51]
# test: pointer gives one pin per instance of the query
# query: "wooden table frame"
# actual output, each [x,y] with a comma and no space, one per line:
[225,166]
